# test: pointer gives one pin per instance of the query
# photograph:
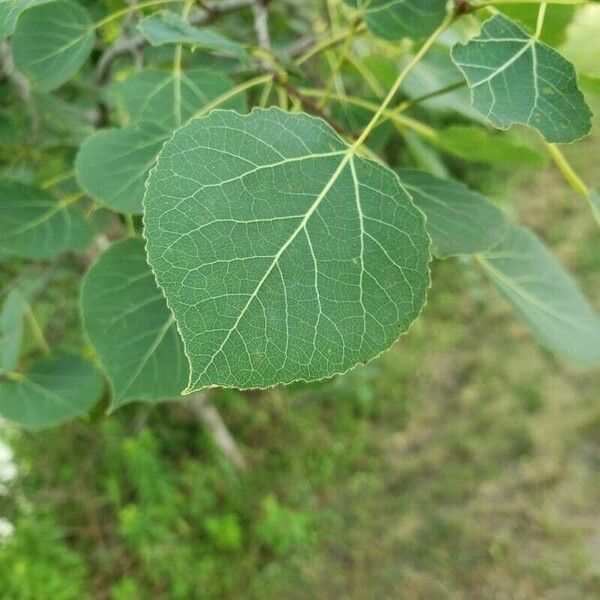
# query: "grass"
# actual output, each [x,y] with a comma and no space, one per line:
[461,464]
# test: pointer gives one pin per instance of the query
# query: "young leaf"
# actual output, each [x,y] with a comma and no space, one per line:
[515,78]
[168,98]
[33,224]
[10,10]
[127,321]
[544,296]
[167,27]
[397,19]
[282,254]
[52,41]
[11,330]
[459,220]
[478,145]
[51,392]
[112,165]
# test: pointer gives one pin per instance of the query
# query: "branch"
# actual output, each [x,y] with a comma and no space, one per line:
[201,407]
[207,14]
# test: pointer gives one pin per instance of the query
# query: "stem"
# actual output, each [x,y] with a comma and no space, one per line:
[330,41]
[177,67]
[52,181]
[567,170]
[130,226]
[540,20]
[401,77]
[38,334]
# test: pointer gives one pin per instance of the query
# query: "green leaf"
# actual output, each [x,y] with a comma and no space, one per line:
[514,78]
[168,98]
[52,41]
[459,220]
[51,392]
[544,296]
[167,27]
[477,145]
[112,165]
[10,10]
[11,330]
[33,224]
[127,321]
[397,19]
[282,254]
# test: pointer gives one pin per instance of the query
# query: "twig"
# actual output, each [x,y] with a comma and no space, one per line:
[261,24]
[202,408]
[208,13]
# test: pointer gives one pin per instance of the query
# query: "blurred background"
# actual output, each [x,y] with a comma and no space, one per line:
[464,463]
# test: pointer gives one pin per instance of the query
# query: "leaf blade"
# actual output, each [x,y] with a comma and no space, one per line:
[262,320]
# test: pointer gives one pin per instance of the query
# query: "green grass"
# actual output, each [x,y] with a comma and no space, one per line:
[462,464]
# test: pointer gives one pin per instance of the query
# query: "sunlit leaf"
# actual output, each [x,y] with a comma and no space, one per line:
[283,255]
[51,392]
[459,220]
[544,296]
[52,41]
[127,321]
[515,78]
[33,224]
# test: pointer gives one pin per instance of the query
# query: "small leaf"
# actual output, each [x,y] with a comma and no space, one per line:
[52,41]
[10,10]
[397,19]
[167,27]
[127,321]
[51,392]
[33,224]
[544,296]
[282,254]
[477,145]
[514,78]
[154,96]
[459,220]
[113,164]
[11,330]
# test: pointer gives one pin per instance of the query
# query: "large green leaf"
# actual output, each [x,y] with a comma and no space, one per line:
[169,98]
[282,254]
[397,19]
[167,27]
[33,224]
[459,220]
[544,296]
[52,41]
[112,165]
[11,330]
[515,78]
[127,321]
[10,10]
[51,392]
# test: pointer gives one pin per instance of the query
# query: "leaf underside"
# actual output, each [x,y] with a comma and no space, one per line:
[544,296]
[51,392]
[515,78]
[282,254]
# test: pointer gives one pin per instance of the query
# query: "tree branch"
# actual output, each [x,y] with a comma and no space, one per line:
[202,408]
